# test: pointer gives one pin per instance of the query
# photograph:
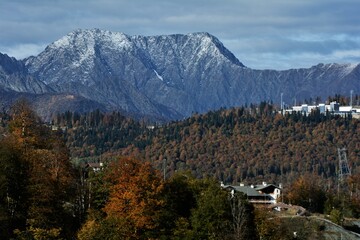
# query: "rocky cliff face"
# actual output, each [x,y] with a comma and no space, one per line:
[164,76]
[14,76]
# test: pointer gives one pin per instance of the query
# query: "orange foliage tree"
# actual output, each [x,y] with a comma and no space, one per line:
[307,192]
[135,196]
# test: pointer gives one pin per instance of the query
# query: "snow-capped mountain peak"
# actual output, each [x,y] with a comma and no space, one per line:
[169,75]
[80,37]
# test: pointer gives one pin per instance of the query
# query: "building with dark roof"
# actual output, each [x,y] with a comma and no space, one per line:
[257,194]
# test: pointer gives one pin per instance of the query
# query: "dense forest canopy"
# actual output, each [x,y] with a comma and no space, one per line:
[47,191]
[44,196]
[235,145]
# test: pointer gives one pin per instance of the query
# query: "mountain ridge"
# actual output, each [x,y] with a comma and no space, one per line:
[168,76]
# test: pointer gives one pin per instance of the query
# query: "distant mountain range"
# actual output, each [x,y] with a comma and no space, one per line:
[161,77]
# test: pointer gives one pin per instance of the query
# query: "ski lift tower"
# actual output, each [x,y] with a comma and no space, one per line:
[344,169]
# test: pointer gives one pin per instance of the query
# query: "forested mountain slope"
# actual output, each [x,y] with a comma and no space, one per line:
[129,198]
[232,145]
[235,146]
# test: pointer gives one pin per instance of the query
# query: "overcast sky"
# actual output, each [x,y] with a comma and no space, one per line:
[263,34]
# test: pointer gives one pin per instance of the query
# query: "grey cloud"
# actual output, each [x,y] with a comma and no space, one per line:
[255,31]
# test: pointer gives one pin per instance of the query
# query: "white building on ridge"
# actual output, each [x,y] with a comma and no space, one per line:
[332,108]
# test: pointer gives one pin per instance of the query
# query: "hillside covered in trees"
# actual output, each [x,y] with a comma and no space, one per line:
[235,145]
[48,191]
[44,196]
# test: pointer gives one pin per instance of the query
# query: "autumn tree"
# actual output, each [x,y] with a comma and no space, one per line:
[134,204]
[135,195]
[308,193]
[41,175]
